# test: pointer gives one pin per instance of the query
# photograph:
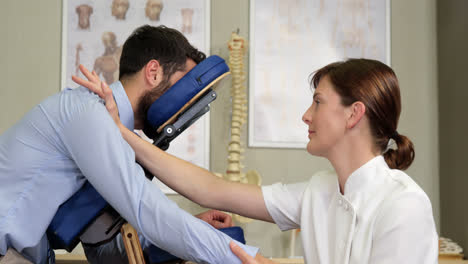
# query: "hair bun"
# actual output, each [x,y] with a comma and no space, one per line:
[401,157]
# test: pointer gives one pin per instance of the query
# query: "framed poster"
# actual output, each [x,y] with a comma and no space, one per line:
[290,39]
[93,33]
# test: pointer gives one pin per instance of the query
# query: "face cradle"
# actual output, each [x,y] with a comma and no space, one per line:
[326,119]
[147,99]
[189,65]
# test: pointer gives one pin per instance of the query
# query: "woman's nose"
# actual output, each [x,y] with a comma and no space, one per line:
[307,116]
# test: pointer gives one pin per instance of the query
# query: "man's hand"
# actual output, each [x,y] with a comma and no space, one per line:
[246,258]
[216,218]
[95,85]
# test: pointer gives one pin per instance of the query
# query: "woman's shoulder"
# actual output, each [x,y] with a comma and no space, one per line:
[404,218]
[323,177]
[401,184]
[324,181]
[402,192]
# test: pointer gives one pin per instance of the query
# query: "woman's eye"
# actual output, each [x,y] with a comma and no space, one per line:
[317,101]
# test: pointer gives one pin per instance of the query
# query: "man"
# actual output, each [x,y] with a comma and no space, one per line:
[70,138]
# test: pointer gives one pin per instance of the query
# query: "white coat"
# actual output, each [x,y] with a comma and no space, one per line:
[383,217]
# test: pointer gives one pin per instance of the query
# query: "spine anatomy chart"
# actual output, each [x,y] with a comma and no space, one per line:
[238,47]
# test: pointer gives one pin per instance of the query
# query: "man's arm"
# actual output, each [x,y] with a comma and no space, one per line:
[107,161]
[114,251]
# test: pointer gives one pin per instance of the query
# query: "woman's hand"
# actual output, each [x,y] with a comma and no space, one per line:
[216,218]
[246,258]
[95,85]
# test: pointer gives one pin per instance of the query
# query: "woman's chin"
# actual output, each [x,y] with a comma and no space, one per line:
[315,150]
[311,149]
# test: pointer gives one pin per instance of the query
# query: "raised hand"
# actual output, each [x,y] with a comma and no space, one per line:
[95,85]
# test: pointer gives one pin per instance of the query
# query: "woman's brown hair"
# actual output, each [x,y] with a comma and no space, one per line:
[375,85]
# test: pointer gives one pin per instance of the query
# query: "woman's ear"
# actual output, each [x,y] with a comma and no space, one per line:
[358,110]
[153,73]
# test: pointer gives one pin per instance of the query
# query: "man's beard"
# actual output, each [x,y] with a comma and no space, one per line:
[145,102]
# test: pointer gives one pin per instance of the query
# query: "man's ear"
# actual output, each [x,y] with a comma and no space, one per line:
[358,110]
[153,73]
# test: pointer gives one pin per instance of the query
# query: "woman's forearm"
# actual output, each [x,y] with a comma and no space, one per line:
[198,184]
[169,169]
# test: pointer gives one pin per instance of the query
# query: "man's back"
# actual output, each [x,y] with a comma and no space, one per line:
[37,173]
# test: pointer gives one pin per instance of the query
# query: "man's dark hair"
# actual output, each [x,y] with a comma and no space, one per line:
[166,45]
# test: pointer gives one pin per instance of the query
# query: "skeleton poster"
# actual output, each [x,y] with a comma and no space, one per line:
[290,39]
[93,35]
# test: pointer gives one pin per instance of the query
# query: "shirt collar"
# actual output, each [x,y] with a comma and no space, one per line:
[364,175]
[123,105]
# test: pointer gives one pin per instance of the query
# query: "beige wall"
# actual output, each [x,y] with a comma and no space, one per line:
[30,71]
[453,63]
[30,56]
[414,59]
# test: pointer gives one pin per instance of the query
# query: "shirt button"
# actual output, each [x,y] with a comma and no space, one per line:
[340,202]
[346,207]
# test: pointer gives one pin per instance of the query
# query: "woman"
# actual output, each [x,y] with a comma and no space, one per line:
[366,211]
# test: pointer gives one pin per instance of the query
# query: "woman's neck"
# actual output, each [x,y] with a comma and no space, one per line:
[347,159]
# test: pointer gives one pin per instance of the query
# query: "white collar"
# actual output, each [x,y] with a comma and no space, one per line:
[364,176]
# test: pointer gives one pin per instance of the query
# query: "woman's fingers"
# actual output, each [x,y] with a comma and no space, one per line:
[108,97]
[91,86]
[93,83]
[111,106]
[241,254]
[87,74]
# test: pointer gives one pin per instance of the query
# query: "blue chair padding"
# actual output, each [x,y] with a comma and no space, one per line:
[235,232]
[74,216]
[185,89]
[157,255]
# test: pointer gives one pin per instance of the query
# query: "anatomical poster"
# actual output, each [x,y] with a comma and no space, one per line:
[290,39]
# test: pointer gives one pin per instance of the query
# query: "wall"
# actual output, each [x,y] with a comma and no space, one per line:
[30,56]
[30,71]
[452,28]
[414,59]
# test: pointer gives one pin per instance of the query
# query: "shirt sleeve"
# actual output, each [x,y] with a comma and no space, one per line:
[284,203]
[405,232]
[107,161]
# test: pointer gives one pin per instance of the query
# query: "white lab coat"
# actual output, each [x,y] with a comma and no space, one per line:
[383,217]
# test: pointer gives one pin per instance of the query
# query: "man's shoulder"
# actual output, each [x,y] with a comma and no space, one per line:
[67,104]
[80,97]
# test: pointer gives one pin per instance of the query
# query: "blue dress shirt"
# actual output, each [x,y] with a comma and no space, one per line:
[70,138]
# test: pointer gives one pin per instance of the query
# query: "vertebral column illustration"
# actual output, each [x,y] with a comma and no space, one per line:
[238,47]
